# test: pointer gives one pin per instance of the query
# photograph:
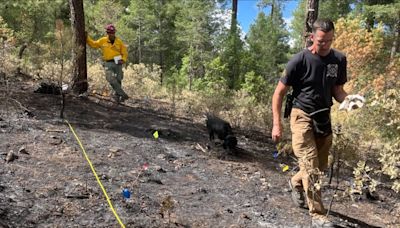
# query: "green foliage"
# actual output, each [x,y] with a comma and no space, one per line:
[268,46]
[386,113]
[374,75]
[390,160]
[146,24]
[374,11]
[176,82]
[5,32]
[214,82]
[213,87]
[100,14]
[334,9]
[194,32]
[33,20]
[257,87]
[362,179]
[297,26]
[7,41]
[232,56]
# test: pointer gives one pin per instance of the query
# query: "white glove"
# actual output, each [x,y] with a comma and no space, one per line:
[352,102]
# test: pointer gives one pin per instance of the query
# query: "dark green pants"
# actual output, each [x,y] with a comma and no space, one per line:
[114,76]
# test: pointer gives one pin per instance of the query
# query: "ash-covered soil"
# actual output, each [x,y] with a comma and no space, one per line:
[177,180]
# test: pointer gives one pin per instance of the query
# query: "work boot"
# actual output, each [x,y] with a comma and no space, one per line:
[297,195]
[123,98]
[321,221]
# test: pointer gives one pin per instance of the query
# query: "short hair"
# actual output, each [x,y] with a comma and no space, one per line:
[325,25]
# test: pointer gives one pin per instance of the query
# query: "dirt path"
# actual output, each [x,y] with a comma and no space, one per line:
[175,181]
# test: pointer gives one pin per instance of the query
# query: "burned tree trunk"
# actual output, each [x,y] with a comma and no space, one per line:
[311,16]
[79,77]
[234,66]
[20,54]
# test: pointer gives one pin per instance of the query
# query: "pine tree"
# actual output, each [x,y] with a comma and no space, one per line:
[194,32]
[268,45]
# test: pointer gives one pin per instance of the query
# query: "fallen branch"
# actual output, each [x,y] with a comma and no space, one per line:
[77,196]
[26,110]
[199,147]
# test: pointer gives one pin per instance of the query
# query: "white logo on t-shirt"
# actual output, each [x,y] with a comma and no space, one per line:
[332,70]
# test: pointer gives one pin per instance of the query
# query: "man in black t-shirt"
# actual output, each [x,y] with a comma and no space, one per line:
[316,74]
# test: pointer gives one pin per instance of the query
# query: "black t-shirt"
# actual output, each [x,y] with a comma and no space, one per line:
[313,77]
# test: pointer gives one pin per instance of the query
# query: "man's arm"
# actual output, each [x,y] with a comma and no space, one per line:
[93,43]
[280,91]
[339,93]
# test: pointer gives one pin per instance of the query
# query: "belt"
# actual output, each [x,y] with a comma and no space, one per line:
[111,60]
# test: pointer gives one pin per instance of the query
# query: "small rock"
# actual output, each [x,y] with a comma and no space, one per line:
[257,174]
[161,156]
[114,152]
[11,157]
[111,155]
[114,149]
[354,205]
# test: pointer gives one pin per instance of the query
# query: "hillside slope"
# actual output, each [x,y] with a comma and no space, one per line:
[175,181]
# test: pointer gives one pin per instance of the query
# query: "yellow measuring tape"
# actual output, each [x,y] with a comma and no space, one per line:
[95,174]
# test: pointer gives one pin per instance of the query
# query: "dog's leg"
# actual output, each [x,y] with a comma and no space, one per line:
[211,133]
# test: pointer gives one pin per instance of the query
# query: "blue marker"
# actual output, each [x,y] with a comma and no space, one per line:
[126,193]
[275,154]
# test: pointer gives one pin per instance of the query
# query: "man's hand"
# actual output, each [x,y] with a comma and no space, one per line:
[276,133]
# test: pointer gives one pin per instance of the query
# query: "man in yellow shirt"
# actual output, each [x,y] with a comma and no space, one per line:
[114,55]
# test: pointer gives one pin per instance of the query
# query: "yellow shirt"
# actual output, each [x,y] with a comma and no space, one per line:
[109,50]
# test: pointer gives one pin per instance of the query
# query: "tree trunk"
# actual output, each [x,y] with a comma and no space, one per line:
[233,67]
[140,42]
[160,44]
[311,16]
[234,10]
[20,54]
[396,40]
[79,77]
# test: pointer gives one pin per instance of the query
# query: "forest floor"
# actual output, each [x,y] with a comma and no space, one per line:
[177,180]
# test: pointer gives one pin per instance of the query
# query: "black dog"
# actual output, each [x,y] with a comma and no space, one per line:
[223,130]
[47,88]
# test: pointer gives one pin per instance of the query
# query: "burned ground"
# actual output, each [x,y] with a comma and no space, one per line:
[175,180]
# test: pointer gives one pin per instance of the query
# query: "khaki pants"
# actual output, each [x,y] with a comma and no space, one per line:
[114,76]
[312,154]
